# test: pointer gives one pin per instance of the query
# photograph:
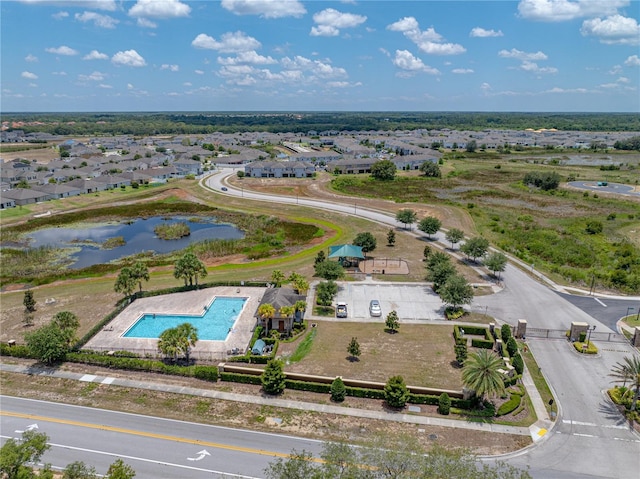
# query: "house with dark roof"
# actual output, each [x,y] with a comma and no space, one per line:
[279,297]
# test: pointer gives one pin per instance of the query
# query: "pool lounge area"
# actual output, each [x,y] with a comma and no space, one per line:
[192,303]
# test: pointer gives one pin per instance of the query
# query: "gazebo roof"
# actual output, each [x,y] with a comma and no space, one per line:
[345,251]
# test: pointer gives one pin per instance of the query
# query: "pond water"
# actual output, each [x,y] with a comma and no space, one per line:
[138,235]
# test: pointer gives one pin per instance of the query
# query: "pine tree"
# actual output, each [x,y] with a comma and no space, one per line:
[391,237]
[338,390]
[273,377]
[395,392]
[29,301]
[444,404]
[354,349]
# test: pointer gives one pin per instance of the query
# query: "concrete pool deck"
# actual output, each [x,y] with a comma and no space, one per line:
[192,302]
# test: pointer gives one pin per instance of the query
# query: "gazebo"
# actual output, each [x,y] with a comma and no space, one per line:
[346,252]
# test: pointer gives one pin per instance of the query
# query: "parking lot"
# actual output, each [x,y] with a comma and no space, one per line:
[409,300]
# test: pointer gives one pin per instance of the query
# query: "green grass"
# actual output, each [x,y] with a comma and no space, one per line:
[538,379]
[632,320]
[304,347]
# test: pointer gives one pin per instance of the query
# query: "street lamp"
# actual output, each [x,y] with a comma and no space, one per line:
[589,329]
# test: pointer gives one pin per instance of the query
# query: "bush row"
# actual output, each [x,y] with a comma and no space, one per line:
[511,405]
[16,351]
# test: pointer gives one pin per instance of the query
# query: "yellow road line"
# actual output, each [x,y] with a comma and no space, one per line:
[133,432]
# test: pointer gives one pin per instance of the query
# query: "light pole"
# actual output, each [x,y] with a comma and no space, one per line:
[589,329]
[630,308]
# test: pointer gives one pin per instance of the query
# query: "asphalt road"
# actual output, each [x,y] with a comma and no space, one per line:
[616,188]
[154,447]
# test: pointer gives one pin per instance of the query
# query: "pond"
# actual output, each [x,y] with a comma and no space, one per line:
[138,237]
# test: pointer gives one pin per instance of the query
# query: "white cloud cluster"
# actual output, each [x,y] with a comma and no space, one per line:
[632,61]
[95,55]
[613,29]
[331,21]
[29,75]
[230,42]
[534,68]
[428,41]
[265,8]
[60,15]
[99,20]
[172,68]
[520,55]
[411,64]
[564,10]
[62,50]
[479,32]
[31,58]
[159,9]
[95,76]
[129,58]
[247,57]
[108,5]
[462,71]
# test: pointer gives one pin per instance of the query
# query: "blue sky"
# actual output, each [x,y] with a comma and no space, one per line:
[294,55]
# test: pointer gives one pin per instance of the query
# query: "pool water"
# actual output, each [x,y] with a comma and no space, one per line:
[213,325]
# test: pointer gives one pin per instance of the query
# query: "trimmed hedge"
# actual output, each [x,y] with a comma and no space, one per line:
[511,405]
[15,351]
[486,343]
[591,348]
[512,380]
[307,386]
[241,378]
[482,343]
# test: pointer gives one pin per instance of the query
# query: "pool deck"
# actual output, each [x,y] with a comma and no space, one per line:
[193,302]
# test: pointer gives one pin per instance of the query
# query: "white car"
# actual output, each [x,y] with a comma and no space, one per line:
[374,308]
[341,310]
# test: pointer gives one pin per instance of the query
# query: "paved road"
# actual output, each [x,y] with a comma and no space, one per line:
[587,440]
[154,447]
[616,188]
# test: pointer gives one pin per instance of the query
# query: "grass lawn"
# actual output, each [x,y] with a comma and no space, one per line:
[632,320]
[422,354]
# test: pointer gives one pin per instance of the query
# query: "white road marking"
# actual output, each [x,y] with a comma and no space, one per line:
[108,380]
[578,423]
[88,378]
[201,455]
[30,427]
[604,305]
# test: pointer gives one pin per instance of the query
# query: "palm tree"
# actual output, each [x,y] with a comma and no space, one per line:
[140,272]
[189,268]
[287,312]
[189,337]
[169,343]
[480,373]
[277,277]
[266,311]
[628,371]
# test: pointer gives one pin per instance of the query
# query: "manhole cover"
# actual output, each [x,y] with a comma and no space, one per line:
[433,437]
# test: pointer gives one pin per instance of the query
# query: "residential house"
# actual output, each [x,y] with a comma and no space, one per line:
[279,297]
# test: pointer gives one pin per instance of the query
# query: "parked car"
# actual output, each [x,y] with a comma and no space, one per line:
[224,188]
[341,310]
[374,308]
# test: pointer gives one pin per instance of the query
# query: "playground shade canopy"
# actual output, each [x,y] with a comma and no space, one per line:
[345,251]
[258,346]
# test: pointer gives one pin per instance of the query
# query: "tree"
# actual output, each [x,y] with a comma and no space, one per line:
[430,169]
[505,332]
[438,272]
[177,341]
[391,237]
[392,322]
[354,349]
[301,285]
[454,236]
[325,291]
[338,390]
[27,319]
[444,404]
[16,454]
[68,323]
[365,240]
[395,392]
[544,180]
[120,470]
[480,373]
[329,270]
[475,247]
[429,225]
[518,363]
[628,371]
[472,146]
[266,311]
[320,257]
[426,252]
[140,272]
[48,343]
[189,268]
[298,465]
[273,377]
[594,227]
[125,282]
[496,262]
[512,346]
[277,277]
[29,301]
[188,337]
[406,217]
[461,352]
[79,470]
[384,170]
[456,291]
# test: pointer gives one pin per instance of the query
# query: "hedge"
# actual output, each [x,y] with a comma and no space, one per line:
[241,378]
[365,393]
[16,351]
[482,343]
[511,405]
[432,400]
[512,380]
[307,386]
[591,349]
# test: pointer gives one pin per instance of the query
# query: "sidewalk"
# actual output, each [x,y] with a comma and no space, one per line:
[532,431]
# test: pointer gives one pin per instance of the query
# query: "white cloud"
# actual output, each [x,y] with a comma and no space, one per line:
[62,50]
[95,76]
[102,85]
[534,68]
[229,42]
[160,9]
[99,20]
[485,87]
[563,10]
[146,23]
[632,61]
[429,41]
[95,55]
[462,71]
[129,86]
[265,8]
[247,57]
[198,72]
[480,32]
[520,55]
[31,58]
[60,15]
[623,80]
[406,61]
[129,58]
[62,74]
[29,75]
[187,84]
[613,29]
[330,21]
[173,68]
[566,90]
[109,5]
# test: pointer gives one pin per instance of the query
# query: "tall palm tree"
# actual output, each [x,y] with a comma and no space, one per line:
[480,373]
[287,312]
[628,371]
[266,311]
[188,337]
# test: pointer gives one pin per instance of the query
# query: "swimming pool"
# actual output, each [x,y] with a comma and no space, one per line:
[214,324]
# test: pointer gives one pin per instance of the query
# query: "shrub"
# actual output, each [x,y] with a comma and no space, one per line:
[273,377]
[207,373]
[517,363]
[338,390]
[505,332]
[308,386]
[512,346]
[582,336]
[395,392]
[594,227]
[511,405]
[240,378]
[461,353]
[444,404]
